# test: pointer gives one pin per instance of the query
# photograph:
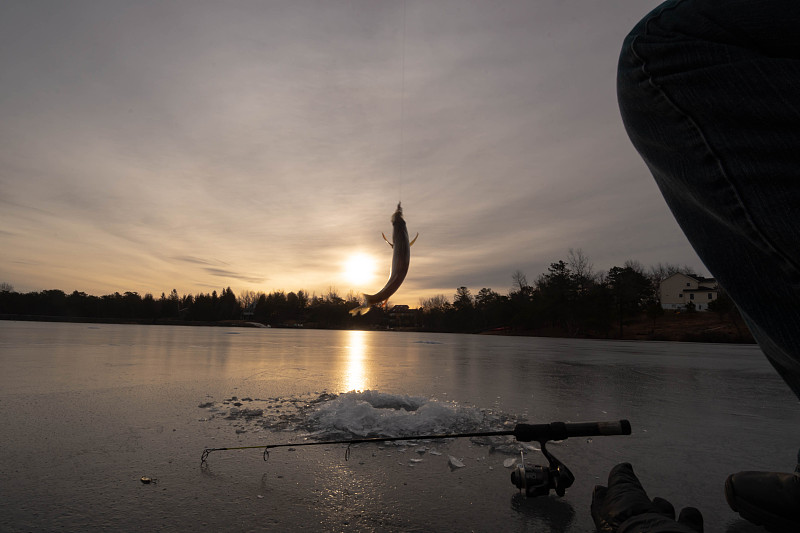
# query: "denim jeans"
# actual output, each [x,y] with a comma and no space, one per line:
[709,92]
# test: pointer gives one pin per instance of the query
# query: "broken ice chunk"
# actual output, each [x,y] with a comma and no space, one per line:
[454,463]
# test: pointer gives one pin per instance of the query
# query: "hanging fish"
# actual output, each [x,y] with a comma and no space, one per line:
[401,257]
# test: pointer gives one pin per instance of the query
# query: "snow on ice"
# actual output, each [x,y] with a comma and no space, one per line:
[368,414]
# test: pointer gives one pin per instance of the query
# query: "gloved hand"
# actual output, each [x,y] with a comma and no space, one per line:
[623,507]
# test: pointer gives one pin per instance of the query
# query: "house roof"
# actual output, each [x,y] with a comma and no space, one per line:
[698,279]
[701,289]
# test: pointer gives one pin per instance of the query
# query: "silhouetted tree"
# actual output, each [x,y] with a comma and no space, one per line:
[520,281]
[80,304]
[53,302]
[433,312]
[555,295]
[150,309]
[463,299]
[169,305]
[491,308]
[296,304]
[520,311]
[229,308]
[631,291]
[464,310]
[581,269]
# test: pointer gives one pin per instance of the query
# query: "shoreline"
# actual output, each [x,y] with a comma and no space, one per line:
[674,327]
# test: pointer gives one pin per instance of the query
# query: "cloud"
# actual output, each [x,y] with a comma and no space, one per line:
[233,275]
[151,146]
[197,260]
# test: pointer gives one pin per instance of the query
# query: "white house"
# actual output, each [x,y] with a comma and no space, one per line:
[678,290]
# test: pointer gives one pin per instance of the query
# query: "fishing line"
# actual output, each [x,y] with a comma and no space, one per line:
[349,442]
[402,110]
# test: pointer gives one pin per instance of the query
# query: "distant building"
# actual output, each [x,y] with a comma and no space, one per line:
[679,290]
[402,316]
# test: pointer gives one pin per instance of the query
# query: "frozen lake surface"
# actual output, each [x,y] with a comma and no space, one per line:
[88,409]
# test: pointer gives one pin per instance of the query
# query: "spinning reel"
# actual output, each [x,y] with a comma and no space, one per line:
[539,480]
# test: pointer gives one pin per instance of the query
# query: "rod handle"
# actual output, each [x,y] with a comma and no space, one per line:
[563,430]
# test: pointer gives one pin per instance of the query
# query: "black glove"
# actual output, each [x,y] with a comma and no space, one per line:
[623,507]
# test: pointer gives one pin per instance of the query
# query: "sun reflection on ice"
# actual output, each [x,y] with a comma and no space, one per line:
[355,373]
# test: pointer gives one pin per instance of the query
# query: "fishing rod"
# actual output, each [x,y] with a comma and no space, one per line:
[535,481]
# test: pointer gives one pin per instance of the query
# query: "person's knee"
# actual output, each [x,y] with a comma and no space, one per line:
[767,27]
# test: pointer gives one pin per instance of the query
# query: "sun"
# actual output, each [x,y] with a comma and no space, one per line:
[359,269]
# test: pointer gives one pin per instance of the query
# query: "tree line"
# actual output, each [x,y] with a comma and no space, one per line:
[571,299]
[277,308]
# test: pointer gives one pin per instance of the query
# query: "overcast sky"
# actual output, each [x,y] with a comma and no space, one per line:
[152,145]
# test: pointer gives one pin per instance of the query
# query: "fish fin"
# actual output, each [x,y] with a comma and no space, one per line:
[387,240]
[415,240]
[363,310]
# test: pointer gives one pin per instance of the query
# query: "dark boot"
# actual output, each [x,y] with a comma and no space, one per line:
[771,499]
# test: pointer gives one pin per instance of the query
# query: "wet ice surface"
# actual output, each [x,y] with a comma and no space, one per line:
[90,409]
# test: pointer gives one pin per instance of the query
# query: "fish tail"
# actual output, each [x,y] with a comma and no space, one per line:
[363,309]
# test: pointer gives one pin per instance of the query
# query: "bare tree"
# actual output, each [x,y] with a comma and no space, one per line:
[333,295]
[248,298]
[354,297]
[581,268]
[635,265]
[662,271]
[520,280]
[434,303]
